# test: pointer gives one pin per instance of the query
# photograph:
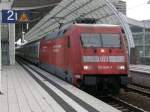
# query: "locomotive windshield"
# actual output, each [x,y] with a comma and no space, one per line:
[100,40]
[91,40]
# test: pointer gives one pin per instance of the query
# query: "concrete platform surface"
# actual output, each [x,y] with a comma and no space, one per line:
[140,68]
[140,74]
[21,93]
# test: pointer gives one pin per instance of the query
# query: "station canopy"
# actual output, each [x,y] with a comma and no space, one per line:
[67,11]
[34,4]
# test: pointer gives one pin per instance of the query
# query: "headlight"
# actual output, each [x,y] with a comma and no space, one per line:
[102,50]
[85,67]
[122,67]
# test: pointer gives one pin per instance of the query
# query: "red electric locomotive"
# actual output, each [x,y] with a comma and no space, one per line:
[86,55]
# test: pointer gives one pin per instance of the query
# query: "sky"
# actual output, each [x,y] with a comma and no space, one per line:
[138,9]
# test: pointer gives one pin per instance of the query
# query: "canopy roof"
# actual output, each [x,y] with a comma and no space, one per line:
[69,10]
[32,4]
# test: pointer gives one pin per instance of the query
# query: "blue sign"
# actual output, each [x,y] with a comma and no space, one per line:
[13,16]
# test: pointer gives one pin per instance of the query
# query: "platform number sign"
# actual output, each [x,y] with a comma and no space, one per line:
[13,16]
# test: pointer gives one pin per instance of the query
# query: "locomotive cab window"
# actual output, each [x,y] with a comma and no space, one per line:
[100,40]
[111,40]
[91,40]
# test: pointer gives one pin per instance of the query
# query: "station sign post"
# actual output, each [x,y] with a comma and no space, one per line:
[12,16]
[0,62]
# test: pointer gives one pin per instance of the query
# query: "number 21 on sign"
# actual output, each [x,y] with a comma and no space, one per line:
[12,15]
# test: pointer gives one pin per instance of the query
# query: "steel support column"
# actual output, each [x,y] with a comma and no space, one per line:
[12,43]
[0,63]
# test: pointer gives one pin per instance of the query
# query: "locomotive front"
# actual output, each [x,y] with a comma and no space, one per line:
[104,59]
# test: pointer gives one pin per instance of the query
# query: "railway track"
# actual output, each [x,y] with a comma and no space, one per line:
[125,105]
[145,87]
[137,95]
[113,101]
[138,89]
[121,105]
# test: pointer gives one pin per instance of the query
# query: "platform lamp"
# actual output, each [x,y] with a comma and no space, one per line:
[22,38]
[24,28]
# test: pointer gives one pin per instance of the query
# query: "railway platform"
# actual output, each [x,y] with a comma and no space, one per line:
[140,68]
[26,91]
[140,74]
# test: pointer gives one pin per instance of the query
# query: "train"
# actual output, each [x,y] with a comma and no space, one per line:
[85,55]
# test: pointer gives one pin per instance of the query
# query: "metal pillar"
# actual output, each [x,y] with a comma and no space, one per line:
[0,63]
[12,43]
[3,5]
[144,41]
[23,33]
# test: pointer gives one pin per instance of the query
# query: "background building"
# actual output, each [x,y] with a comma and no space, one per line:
[141,34]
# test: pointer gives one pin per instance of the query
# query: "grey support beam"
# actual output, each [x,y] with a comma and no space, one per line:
[12,43]
[4,4]
[0,56]
[0,63]
[35,7]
